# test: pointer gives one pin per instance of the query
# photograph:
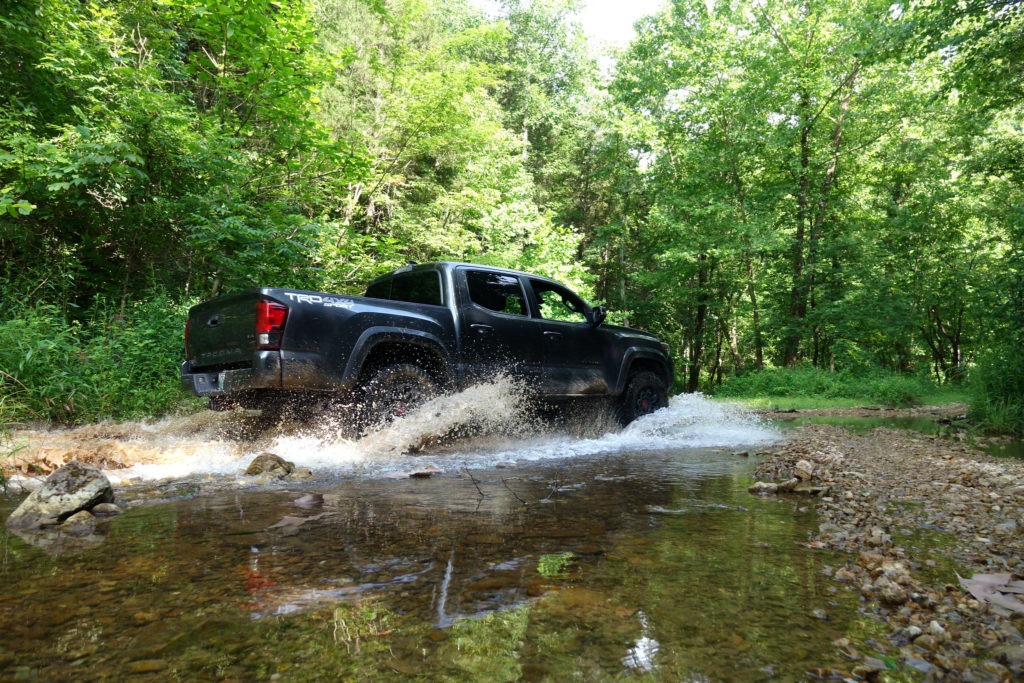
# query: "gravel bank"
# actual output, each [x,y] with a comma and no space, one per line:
[914,516]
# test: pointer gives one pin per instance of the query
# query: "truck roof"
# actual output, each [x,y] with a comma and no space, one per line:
[452,265]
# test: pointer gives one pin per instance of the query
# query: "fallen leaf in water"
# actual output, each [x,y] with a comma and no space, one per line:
[288,521]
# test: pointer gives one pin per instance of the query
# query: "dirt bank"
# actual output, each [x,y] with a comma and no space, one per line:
[912,515]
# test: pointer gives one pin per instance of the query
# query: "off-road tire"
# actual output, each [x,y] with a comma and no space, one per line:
[645,393]
[392,391]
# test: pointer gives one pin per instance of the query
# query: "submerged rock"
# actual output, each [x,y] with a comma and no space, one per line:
[72,488]
[763,488]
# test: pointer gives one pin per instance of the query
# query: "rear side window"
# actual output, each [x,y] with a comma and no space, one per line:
[423,287]
[496,292]
[380,290]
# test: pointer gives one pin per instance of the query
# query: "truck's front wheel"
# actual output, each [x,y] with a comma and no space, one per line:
[644,394]
[394,390]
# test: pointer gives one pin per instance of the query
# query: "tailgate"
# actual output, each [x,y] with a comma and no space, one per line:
[222,331]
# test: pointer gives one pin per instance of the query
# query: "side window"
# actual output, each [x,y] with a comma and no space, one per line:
[496,292]
[379,290]
[558,303]
[423,287]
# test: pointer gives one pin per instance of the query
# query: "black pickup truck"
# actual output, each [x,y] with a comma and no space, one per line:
[418,331]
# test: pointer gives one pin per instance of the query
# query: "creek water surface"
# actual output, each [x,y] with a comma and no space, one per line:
[527,555]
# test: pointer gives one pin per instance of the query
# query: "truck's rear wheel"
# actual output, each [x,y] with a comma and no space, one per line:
[393,391]
[645,393]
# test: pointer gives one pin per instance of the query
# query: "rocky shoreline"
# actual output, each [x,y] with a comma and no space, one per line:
[931,532]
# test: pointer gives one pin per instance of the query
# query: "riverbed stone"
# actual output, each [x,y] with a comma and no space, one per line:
[106,510]
[82,523]
[804,470]
[763,488]
[789,485]
[70,489]
[270,464]
[300,474]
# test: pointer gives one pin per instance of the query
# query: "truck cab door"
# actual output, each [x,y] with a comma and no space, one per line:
[575,358]
[496,330]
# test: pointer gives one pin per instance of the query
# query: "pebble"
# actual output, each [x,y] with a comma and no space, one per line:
[907,510]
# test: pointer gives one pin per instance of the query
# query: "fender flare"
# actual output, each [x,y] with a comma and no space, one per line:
[634,354]
[372,337]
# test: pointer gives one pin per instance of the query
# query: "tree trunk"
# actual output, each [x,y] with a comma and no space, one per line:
[697,352]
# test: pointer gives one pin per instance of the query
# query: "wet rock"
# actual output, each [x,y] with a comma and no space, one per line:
[763,488]
[70,489]
[81,523]
[106,510]
[790,485]
[811,489]
[299,474]
[270,464]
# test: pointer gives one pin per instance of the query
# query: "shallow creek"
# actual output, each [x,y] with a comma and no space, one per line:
[675,572]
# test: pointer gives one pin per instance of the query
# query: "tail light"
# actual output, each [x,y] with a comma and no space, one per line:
[188,351]
[270,319]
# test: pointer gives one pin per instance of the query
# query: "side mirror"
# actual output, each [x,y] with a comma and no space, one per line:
[597,315]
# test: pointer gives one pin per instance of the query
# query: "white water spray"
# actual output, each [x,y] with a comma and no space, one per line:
[484,426]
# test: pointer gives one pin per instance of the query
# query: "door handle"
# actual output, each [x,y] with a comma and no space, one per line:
[553,336]
[482,329]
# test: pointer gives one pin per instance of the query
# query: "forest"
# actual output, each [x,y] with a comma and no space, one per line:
[773,186]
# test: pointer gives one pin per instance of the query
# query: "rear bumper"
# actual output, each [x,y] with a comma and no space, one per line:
[265,374]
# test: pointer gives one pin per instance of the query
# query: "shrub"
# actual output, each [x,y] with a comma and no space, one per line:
[111,364]
[997,391]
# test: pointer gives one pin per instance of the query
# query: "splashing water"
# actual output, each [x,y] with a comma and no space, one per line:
[487,425]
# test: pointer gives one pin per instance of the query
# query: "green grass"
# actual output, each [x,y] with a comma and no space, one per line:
[808,387]
[794,402]
[556,565]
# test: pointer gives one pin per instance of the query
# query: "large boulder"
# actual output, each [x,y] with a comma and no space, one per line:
[70,489]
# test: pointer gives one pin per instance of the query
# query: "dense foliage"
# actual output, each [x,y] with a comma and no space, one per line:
[766,184]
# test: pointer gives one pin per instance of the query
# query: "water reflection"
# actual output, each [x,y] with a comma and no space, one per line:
[679,574]
[641,655]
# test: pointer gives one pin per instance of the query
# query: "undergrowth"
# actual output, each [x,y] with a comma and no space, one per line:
[804,387]
[110,363]
[997,392]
